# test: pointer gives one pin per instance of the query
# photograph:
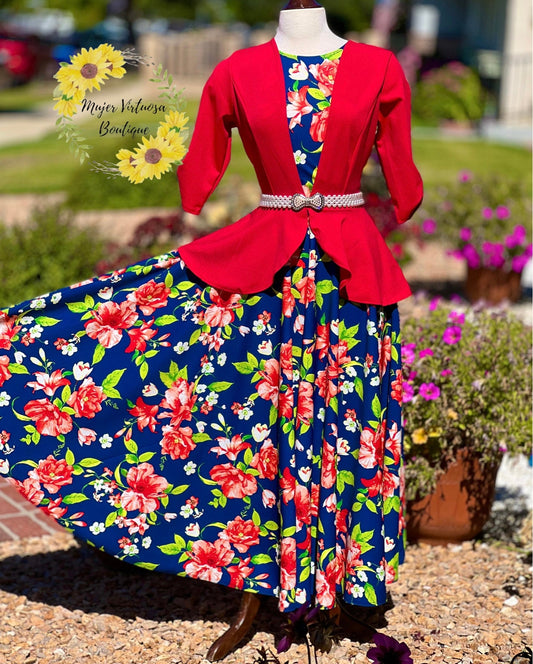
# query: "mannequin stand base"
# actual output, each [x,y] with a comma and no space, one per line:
[238,629]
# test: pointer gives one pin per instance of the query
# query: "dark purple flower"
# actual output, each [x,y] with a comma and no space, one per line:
[465,234]
[487,213]
[452,334]
[389,651]
[424,352]
[429,391]
[465,176]
[503,212]
[429,226]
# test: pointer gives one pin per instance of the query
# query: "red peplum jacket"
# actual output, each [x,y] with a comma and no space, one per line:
[370,104]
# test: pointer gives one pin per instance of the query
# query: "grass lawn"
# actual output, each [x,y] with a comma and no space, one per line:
[27,97]
[47,166]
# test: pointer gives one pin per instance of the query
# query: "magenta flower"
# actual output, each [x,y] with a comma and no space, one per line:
[528,251]
[456,317]
[426,351]
[429,391]
[471,256]
[487,213]
[465,176]
[519,263]
[503,212]
[408,353]
[429,226]
[388,651]
[465,234]
[517,237]
[446,372]
[434,303]
[408,392]
[452,334]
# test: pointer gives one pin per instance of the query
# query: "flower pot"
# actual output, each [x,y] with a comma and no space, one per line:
[460,505]
[492,285]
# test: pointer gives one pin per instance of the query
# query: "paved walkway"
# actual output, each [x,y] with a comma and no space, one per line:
[19,518]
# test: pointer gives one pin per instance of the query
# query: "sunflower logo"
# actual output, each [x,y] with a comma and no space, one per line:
[87,71]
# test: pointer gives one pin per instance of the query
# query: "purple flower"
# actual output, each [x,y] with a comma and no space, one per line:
[487,213]
[389,651]
[446,372]
[519,263]
[517,237]
[429,391]
[408,392]
[456,317]
[429,226]
[471,256]
[465,176]
[528,251]
[408,353]
[465,234]
[503,212]
[434,303]
[452,334]
[426,351]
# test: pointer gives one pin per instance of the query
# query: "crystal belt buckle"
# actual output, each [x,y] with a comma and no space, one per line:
[299,201]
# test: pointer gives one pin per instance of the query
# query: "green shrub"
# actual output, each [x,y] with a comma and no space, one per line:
[47,253]
[452,92]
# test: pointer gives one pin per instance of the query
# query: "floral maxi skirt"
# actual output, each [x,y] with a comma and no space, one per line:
[253,441]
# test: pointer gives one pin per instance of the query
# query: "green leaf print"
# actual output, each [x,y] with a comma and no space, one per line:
[244,367]
[256,518]
[316,93]
[111,518]
[344,477]
[325,286]
[74,498]
[89,463]
[99,353]
[390,504]
[143,370]
[112,379]
[69,458]
[376,406]
[148,566]
[185,285]
[323,104]
[146,457]
[89,302]
[219,386]
[370,594]
[131,446]
[179,489]
[358,385]
[200,437]
[77,307]
[170,549]
[46,321]
[165,320]
[304,575]
[261,558]
[169,280]
[15,368]
[334,55]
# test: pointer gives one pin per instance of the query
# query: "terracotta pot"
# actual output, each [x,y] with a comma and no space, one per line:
[460,505]
[493,286]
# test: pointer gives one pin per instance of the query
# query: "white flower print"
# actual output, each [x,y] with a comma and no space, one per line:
[258,327]
[81,370]
[38,303]
[208,369]
[36,331]
[299,72]
[4,399]
[27,320]
[371,328]
[300,157]
[221,359]
[212,398]
[374,381]
[351,372]
[97,528]
[146,542]
[357,591]
[245,413]
[190,468]
[192,530]
[106,293]
[69,349]
[4,466]
[105,441]
[186,511]
[347,387]
[300,595]
[181,347]
[131,549]
[265,348]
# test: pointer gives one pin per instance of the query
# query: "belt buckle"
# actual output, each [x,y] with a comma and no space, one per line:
[299,201]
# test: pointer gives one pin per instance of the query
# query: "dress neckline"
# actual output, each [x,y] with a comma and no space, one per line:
[316,55]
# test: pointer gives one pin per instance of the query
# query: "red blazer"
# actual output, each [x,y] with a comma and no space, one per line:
[370,104]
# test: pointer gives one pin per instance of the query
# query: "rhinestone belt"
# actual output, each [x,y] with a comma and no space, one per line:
[298,202]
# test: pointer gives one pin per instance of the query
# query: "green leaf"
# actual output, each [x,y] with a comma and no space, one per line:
[146,457]
[46,321]
[77,307]
[244,367]
[248,456]
[15,368]
[307,360]
[251,301]
[256,518]
[325,286]
[358,384]
[323,104]
[370,594]
[111,393]
[219,386]
[288,532]
[170,549]
[316,93]
[165,320]
[261,558]
[143,370]
[200,437]
[370,506]
[179,489]
[185,285]
[89,463]
[149,566]
[166,379]
[271,525]
[131,446]
[99,353]
[376,406]
[69,458]
[111,518]
[132,459]
[112,379]
[169,280]
[273,416]
[74,498]
[252,360]
[304,575]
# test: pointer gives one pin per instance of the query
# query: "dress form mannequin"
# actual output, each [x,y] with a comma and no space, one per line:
[306,32]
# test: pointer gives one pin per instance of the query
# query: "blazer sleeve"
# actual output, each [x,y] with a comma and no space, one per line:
[394,142]
[210,147]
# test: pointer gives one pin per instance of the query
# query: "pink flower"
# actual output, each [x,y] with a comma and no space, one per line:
[446,372]
[452,334]
[518,263]
[487,213]
[434,303]
[86,436]
[429,391]
[456,317]
[48,383]
[465,234]
[408,353]
[429,226]
[298,106]
[145,489]
[503,212]
[426,351]
[465,176]
[408,393]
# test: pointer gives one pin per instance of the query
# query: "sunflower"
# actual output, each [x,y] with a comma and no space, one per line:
[175,120]
[127,166]
[113,60]
[87,71]
[155,156]
[67,104]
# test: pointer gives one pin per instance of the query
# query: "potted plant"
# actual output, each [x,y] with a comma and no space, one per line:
[484,222]
[467,400]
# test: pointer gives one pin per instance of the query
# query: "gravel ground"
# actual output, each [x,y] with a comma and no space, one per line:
[60,604]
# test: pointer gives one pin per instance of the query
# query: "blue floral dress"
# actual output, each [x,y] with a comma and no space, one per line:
[253,441]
